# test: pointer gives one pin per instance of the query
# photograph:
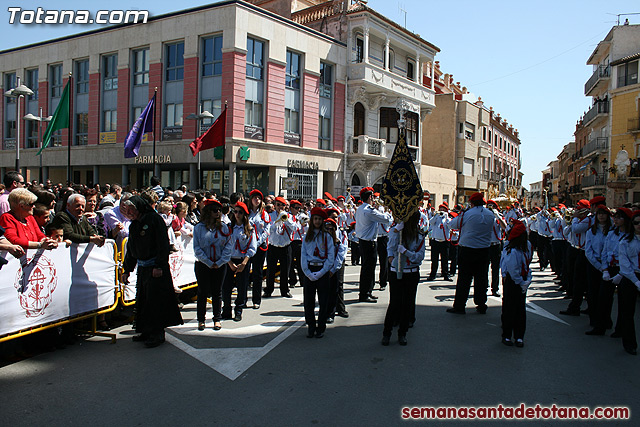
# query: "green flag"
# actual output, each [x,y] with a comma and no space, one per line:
[60,119]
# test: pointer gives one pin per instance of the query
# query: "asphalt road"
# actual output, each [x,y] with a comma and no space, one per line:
[264,371]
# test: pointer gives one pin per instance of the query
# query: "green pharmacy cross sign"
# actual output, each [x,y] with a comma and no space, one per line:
[244,153]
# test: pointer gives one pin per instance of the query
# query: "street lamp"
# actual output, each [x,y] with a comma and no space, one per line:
[198,118]
[38,119]
[19,91]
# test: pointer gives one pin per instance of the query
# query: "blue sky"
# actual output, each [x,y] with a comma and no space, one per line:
[525,59]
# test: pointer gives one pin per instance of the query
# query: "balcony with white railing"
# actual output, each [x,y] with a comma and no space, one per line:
[378,80]
[364,146]
[598,80]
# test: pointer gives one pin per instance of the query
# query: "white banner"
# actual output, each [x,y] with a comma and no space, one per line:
[182,265]
[46,286]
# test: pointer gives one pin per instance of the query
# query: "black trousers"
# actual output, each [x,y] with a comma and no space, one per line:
[210,281]
[474,266]
[277,254]
[439,250]
[558,247]
[321,287]
[579,280]
[569,267]
[514,311]
[355,253]
[533,238]
[627,295]
[368,268]
[240,281]
[594,283]
[381,248]
[605,301]
[544,250]
[402,302]
[495,254]
[295,271]
[257,270]
[336,294]
[453,258]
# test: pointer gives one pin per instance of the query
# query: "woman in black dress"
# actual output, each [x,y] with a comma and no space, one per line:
[148,247]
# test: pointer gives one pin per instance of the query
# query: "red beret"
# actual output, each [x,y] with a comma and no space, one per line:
[332,221]
[328,195]
[552,209]
[453,214]
[320,212]
[352,224]
[604,209]
[295,203]
[491,202]
[583,204]
[329,210]
[376,194]
[322,202]
[207,202]
[477,197]
[282,200]
[598,200]
[445,203]
[256,192]
[242,206]
[626,212]
[365,190]
[561,206]
[518,229]
[443,206]
[340,197]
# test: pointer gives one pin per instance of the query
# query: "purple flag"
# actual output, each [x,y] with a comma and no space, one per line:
[143,124]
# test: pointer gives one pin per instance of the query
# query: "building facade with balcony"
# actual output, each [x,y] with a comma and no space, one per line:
[505,161]
[385,64]
[534,197]
[284,85]
[566,177]
[609,121]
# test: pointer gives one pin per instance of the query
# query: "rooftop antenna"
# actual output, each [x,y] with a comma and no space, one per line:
[403,10]
[625,14]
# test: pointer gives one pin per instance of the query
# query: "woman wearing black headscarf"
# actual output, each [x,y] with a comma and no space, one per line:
[148,247]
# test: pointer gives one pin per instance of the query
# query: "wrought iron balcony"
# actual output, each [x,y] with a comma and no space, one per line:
[634,125]
[594,180]
[596,144]
[600,75]
[598,109]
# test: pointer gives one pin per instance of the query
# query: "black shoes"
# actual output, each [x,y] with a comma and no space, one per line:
[227,316]
[266,295]
[495,294]
[631,351]
[402,340]
[373,296]
[238,317]
[455,311]
[140,337]
[431,278]
[329,320]
[319,334]
[385,340]
[201,326]
[343,314]
[570,313]
[287,295]
[482,309]
[383,287]
[448,279]
[519,343]
[310,333]
[367,299]
[507,342]
[595,331]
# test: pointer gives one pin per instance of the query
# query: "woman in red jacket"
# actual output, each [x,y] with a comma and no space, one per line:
[20,226]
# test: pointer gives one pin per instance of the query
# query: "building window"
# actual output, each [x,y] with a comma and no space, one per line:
[292,94]
[82,76]
[358,119]
[55,84]
[82,128]
[109,120]
[495,141]
[254,91]
[212,56]
[469,131]
[307,183]
[410,70]
[467,167]
[628,74]
[174,70]
[141,67]
[325,86]
[484,133]
[389,125]
[173,114]
[359,49]
[411,125]
[110,72]
[32,83]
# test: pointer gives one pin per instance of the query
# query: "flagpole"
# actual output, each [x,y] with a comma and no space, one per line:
[154,133]
[224,153]
[70,132]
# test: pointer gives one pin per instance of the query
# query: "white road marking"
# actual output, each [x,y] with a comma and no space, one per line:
[232,362]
